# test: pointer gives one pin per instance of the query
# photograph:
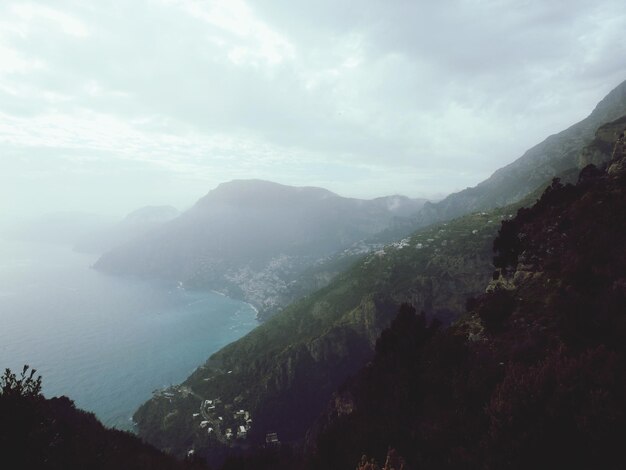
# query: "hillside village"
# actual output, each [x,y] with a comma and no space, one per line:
[214,419]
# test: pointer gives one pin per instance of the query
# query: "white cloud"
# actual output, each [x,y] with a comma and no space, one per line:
[251,41]
[366,99]
[11,61]
[31,13]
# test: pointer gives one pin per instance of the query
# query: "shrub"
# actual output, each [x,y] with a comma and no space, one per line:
[27,385]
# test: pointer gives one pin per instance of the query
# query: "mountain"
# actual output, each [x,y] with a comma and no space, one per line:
[284,372]
[251,238]
[532,376]
[559,155]
[257,241]
[600,150]
[134,225]
[539,164]
[40,433]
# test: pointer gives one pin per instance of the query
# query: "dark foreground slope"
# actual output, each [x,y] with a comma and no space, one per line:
[40,433]
[534,376]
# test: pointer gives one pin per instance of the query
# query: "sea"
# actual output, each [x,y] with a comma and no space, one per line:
[106,342]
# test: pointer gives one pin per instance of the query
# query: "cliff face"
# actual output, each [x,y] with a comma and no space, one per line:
[600,150]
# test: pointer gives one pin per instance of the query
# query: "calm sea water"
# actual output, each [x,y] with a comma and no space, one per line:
[105,342]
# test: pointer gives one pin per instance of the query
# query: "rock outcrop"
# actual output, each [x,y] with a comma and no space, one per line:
[601,150]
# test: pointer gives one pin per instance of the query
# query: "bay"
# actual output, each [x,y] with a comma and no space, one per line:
[106,342]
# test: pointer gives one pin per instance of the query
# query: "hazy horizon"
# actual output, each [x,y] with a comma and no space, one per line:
[110,107]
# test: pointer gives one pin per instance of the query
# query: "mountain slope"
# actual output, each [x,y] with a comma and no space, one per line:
[284,371]
[546,160]
[559,155]
[533,376]
[250,238]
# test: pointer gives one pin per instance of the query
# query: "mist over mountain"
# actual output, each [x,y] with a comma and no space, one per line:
[250,238]
[55,227]
[134,225]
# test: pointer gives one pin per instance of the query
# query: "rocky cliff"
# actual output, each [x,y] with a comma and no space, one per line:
[600,151]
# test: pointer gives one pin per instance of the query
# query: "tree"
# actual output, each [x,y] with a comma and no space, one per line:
[27,385]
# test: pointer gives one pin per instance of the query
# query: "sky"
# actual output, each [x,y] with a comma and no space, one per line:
[110,106]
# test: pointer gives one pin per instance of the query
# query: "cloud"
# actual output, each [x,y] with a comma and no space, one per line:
[365,98]
[43,16]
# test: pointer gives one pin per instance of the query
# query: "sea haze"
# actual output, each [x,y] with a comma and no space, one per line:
[105,342]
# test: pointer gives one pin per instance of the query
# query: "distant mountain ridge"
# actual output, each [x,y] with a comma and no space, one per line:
[537,165]
[251,238]
[134,225]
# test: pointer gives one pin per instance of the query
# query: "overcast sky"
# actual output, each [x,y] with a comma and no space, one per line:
[106,106]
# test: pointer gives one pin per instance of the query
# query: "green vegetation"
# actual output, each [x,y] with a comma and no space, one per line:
[27,385]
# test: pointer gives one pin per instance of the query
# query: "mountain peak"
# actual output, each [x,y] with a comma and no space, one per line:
[616,97]
[152,214]
[259,184]
[256,192]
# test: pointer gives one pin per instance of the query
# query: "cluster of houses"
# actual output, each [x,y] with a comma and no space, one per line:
[222,423]
[438,239]
[172,393]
